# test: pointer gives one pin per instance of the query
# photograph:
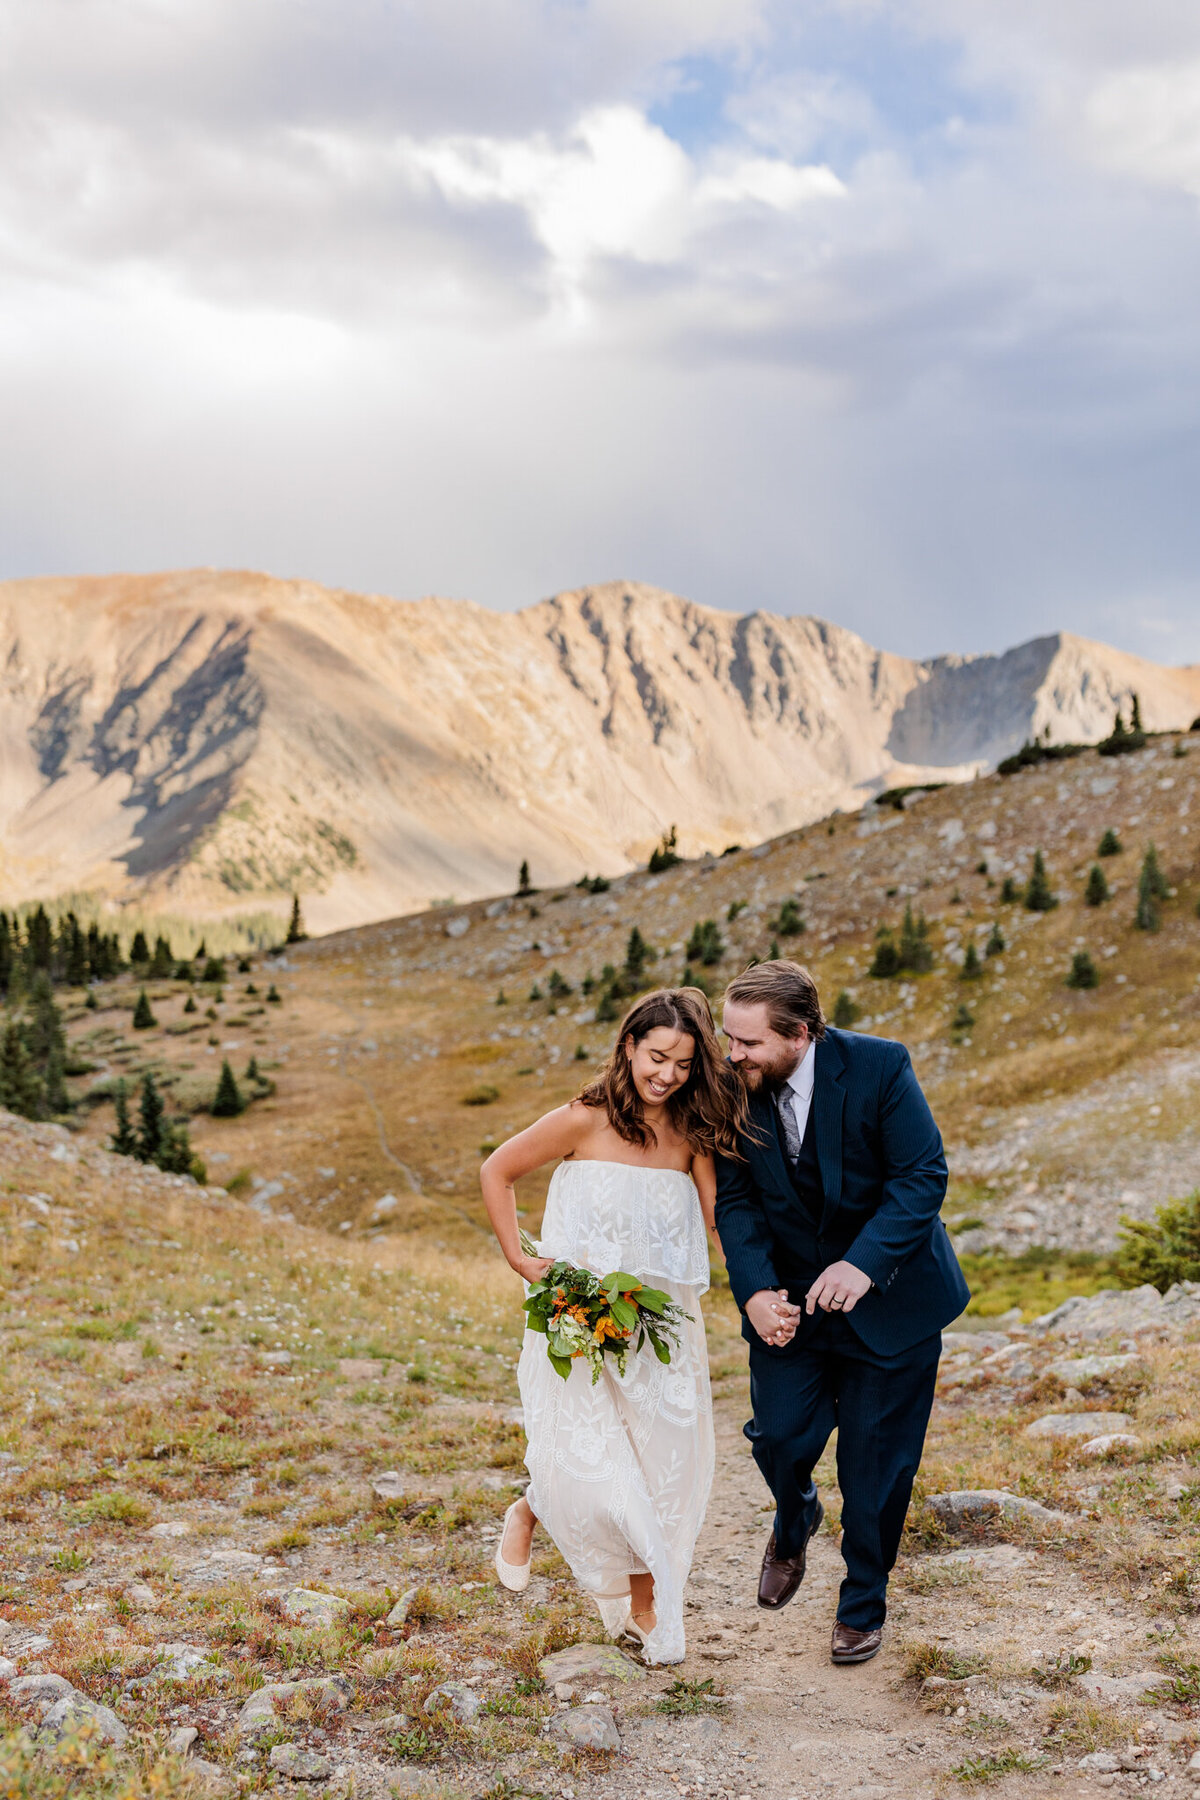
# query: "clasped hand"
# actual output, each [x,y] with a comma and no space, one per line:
[837,1289]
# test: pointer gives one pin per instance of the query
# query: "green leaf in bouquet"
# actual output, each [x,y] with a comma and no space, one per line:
[624,1282]
[560,1364]
[654,1300]
[624,1313]
[660,1350]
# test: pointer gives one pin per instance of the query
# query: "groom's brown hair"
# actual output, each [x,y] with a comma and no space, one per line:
[789,994]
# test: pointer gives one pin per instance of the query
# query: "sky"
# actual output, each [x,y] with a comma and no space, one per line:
[882,310]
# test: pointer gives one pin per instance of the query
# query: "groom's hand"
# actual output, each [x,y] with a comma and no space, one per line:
[837,1289]
[772,1315]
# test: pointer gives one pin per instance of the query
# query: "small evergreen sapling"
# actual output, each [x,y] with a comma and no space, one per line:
[1152,888]
[139,950]
[189,1005]
[524,885]
[152,1121]
[665,855]
[789,922]
[1039,896]
[1110,844]
[296,933]
[1097,890]
[887,957]
[274,996]
[963,1019]
[845,1012]
[123,1141]
[996,944]
[227,1102]
[1082,973]
[972,968]
[143,1017]
[1008,892]
[705,945]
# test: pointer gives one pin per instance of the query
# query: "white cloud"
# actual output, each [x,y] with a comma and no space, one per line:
[1146,122]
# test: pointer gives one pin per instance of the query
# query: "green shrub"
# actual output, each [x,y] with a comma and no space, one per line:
[789,923]
[143,1018]
[996,944]
[972,968]
[845,1012]
[887,958]
[1110,844]
[1008,892]
[1082,973]
[1162,1250]
[1097,890]
[1039,896]
[483,1095]
[706,945]
[665,855]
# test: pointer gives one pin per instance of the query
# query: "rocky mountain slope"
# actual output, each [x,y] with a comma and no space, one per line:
[211,741]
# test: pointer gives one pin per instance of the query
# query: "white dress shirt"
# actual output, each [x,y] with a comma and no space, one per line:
[800,1084]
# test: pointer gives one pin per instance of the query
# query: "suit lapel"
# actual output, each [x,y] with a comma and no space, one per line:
[829,1101]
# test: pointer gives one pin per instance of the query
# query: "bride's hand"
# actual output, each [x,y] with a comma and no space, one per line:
[532,1268]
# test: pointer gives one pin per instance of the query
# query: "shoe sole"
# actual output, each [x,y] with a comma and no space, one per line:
[778,1605]
[858,1656]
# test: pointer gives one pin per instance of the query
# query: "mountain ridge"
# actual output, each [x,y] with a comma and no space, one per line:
[209,740]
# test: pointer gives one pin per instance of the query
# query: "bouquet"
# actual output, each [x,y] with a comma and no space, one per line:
[595,1316]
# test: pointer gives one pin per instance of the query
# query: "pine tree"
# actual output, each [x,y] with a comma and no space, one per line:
[1082,973]
[90,1001]
[189,1005]
[963,1019]
[57,1098]
[252,1073]
[502,997]
[706,945]
[75,961]
[665,855]
[845,1012]
[1152,887]
[143,1018]
[6,953]
[214,970]
[296,933]
[1135,717]
[535,992]
[773,951]
[123,1140]
[789,922]
[972,968]
[996,944]
[44,1035]
[1008,892]
[1097,890]
[581,1053]
[139,950]
[162,963]
[20,1084]
[39,939]
[1039,897]
[606,1007]
[1110,844]
[274,996]
[228,1102]
[244,965]
[915,950]
[152,1121]
[524,885]
[558,987]
[887,957]
[637,954]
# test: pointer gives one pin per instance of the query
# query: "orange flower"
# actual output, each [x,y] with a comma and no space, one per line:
[607,1328]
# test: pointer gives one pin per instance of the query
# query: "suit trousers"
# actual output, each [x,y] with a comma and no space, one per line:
[827,1379]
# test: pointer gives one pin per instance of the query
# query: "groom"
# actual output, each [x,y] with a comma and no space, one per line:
[835,1207]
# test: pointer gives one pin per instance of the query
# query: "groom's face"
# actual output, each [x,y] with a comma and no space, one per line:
[761,1057]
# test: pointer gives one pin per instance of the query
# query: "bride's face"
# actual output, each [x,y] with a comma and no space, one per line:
[660,1064]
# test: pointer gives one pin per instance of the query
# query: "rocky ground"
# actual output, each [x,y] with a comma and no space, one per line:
[252,1480]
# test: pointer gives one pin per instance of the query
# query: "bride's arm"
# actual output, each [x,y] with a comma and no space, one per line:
[549,1139]
[704,1174]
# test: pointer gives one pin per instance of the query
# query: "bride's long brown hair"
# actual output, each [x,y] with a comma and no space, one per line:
[709,1110]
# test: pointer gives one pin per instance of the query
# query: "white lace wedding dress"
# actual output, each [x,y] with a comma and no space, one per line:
[620,1473]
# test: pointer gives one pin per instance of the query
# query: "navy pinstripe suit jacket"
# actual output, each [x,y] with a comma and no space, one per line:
[883,1175]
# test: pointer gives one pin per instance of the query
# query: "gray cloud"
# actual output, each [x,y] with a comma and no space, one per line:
[421,298]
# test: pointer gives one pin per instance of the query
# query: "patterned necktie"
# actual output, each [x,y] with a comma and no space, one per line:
[787,1121]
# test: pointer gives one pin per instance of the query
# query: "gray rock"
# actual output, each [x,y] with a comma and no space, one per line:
[180,1742]
[171,1528]
[302,1606]
[1083,1371]
[1120,1312]
[1108,1441]
[31,1690]
[464,1703]
[224,1565]
[183,1662]
[586,1728]
[995,1562]
[976,1343]
[8,1668]
[141,1597]
[1099,1762]
[299,1764]
[276,1359]
[399,1613]
[1078,1425]
[74,1714]
[972,1506]
[1193,1767]
[259,1713]
[707,1732]
[392,1724]
[390,1485]
[590,1665]
[26,1643]
[1121,1689]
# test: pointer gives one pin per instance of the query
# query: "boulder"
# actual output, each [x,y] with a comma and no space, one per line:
[1111,1440]
[8,1668]
[1078,1425]
[183,1662]
[171,1528]
[995,1562]
[389,1486]
[32,1690]
[141,1597]
[1122,1312]
[302,1606]
[463,1702]
[1083,1371]
[590,1665]
[399,1613]
[76,1714]
[299,1764]
[260,1713]
[974,1506]
[1120,1690]
[180,1742]
[1099,1762]
[586,1728]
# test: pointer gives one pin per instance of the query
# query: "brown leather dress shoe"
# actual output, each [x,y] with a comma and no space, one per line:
[782,1575]
[850,1646]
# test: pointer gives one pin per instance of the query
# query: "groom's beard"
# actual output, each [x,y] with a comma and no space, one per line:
[765,1078]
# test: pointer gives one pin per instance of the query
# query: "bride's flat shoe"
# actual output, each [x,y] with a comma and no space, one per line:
[513,1576]
[634,1630]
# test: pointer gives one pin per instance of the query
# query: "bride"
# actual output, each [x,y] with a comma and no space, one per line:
[620,1472]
